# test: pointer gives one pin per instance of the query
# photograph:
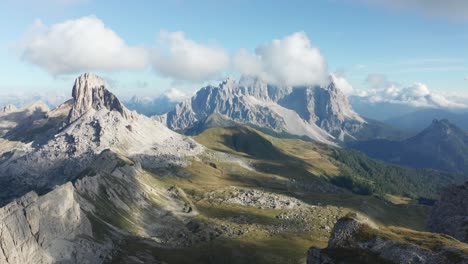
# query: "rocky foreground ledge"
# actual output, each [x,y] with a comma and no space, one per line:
[47,229]
[357,240]
[450,214]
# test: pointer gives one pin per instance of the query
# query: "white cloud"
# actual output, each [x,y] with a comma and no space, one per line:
[185,59]
[80,45]
[291,60]
[176,95]
[342,84]
[452,9]
[378,81]
[418,94]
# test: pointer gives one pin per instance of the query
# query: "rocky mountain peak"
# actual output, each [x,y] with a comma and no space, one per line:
[90,92]
[443,124]
[8,108]
[228,83]
[442,129]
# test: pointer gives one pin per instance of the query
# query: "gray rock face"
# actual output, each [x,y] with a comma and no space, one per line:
[320,113]
[67,149]
[47,229]
[362,242]
[450,214]
[90,92]
[56,227]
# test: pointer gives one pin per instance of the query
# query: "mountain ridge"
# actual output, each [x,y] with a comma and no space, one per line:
[320,113]
[441,146]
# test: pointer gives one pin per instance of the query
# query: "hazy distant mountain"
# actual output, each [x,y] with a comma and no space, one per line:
[50,99]
[418,120]
[380,110]
[151,106]
[441,146]
[319,113]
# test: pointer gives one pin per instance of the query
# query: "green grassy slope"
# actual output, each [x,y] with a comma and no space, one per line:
[240,158]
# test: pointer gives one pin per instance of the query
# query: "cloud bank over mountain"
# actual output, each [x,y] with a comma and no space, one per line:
[185,59]
[291,60]
[382,90]
[87,44]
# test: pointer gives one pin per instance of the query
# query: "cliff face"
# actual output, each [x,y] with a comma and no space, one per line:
[320,113]
[90,92]
[69,143]
[450,214]
[357,240]
[47,229]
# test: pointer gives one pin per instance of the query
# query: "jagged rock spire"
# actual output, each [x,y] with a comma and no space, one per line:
[90,92]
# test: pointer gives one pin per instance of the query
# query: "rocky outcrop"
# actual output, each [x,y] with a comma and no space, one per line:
[66,149]
[320,113]
[8,109]
[450,214]
[20,121]
[47,229]
[357,240]
[90,92]
[255,198]
[76,139]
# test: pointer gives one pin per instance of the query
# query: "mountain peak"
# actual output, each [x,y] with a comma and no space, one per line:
[228,83]
[90,92]
[442,125]
[441,122]
[440,130]
[8,108]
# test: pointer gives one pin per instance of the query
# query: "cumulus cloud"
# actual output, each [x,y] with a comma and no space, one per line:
[291,60]
[87,44]
[418,94]
[80,45]
[452,9]
[341,83]
[176,95]
[184,59]
[378,81]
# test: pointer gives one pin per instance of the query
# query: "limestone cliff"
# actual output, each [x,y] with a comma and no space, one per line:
[47,229]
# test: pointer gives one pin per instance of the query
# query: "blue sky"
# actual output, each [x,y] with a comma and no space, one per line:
[407,43]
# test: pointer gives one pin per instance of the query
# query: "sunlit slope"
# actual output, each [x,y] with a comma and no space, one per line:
[250,198]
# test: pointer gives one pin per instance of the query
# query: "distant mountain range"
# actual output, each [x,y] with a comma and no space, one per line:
[319,113]
[418,120]
[441,146]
